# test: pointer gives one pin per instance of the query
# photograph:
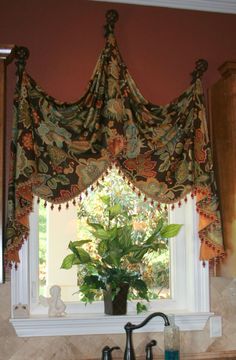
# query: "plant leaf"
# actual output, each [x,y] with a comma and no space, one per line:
[141,288]
[95,226]
[81,242]
[156,232]
[68,261]
[105,199]
[139,254]
[105,234]
[82,256]
[115,210]
[113,257]
[170,230]
[141,307]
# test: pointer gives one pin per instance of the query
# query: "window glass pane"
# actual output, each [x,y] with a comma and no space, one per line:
[58,228]
[42,226]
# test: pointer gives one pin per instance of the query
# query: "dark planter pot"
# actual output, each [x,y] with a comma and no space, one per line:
[117,306]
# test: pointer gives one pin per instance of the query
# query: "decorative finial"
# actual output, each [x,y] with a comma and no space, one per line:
[112,17]
[21,54]
[201,66]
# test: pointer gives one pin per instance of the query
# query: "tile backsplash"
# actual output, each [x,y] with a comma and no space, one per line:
[88,347]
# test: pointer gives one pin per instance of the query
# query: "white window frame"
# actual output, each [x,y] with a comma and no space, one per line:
[190,291]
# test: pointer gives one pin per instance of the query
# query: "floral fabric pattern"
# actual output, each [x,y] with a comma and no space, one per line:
[60,149]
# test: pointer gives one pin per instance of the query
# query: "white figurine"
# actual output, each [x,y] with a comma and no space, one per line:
[56,306]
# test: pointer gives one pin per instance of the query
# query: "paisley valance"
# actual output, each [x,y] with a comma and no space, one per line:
[59,149]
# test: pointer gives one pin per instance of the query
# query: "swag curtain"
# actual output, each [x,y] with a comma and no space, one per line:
[60,149]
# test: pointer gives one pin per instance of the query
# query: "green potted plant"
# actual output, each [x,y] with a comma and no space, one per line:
[113,267]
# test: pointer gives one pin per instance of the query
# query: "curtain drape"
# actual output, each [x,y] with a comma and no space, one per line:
[60,149]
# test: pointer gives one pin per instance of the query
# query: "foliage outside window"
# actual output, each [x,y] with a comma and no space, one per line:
[154,267]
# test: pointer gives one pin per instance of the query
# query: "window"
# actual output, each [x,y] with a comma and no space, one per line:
[57,228]
[188,289]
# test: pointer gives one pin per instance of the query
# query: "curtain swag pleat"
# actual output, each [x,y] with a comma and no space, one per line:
[60,149]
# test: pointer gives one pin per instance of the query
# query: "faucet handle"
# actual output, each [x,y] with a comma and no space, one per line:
[106,352]
[148,349]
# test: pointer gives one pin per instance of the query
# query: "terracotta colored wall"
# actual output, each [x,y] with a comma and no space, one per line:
[159,45]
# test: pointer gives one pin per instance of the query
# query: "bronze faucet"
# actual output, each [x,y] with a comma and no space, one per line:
[129,353]
[148,349]
[129,349]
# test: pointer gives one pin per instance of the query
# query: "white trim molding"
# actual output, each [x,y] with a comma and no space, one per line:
[189,288]
[100,324]
[218,6]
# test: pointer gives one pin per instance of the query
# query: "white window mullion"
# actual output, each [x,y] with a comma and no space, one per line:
[34,255]
[20,289]
[178,258]
[198,275]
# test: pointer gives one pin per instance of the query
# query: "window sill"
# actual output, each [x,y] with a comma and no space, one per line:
[39,325]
